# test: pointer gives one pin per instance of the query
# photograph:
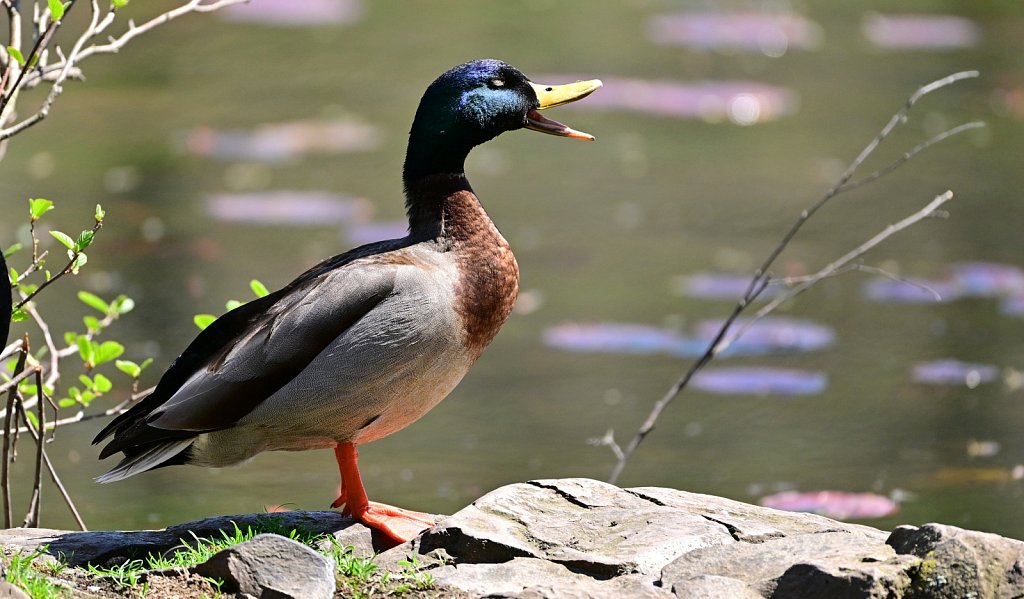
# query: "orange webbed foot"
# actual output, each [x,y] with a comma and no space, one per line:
[395,523]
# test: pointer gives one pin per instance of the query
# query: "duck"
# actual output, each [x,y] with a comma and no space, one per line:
[364,343]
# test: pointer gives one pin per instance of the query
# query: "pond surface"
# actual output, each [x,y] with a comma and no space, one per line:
[227,148]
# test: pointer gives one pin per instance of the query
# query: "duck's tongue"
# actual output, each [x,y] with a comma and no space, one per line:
[556,95]
[538,122]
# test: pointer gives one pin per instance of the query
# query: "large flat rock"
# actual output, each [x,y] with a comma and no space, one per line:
[581,538]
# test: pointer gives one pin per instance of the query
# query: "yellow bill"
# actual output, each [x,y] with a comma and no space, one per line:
[556,95]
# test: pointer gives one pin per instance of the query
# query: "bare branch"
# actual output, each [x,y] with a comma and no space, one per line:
[761,278]
[67,67]
[837,265]
[5,474]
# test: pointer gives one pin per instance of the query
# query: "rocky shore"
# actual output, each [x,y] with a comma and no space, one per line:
[581,538]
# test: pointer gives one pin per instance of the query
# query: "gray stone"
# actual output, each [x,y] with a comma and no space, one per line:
[762,566]
[358,536]
[589,527]
[9,591]
[709,586]
[751,523]
[117,547]
[272,566]
[524,577]
[960,563]
[584,538]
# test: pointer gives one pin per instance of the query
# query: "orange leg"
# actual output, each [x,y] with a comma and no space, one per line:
[397,524]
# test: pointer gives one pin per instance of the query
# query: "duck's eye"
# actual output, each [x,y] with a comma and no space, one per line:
[497,82]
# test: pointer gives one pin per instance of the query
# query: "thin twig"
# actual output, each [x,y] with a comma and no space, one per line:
[32,518]
[5,474]
[761,278]
[913,152]
[834,267]
[68,269]
[117,410]
[64,493]
[78,53]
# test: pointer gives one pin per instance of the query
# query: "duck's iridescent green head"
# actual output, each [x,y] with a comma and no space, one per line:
[475,102]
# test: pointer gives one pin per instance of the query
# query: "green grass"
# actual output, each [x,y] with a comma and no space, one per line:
[358,576]
[29,576]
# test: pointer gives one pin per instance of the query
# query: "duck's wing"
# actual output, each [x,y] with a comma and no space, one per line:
[252,351]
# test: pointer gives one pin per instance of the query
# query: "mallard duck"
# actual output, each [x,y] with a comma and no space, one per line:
[365,343]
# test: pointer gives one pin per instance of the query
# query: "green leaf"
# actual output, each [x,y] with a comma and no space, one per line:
[119,3]
[28,389]
[16,55]
[87,397]
[86,349]
[100,213]
[86,381]
[92,323]
[39,207]
[64,239]
[94,301]
[84,239]
[145,363]
[75,394]
[203,320]
[14,247]
[28,288]
[258,288]
[80,261]
[232,304]
[108,350]
[128,367]
[33,419]
[56,9]
[122,304]
[70,337]
[67,402]
[102,384]
[13,275]
[18,315]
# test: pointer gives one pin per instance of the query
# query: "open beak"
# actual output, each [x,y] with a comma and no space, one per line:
[556,95]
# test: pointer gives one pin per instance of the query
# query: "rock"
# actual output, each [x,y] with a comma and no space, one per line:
[588,527]
[270,565]
[578,537]
[116,547]
[583,538]
[960,563]
[9,591]
[764,566]
[709,586]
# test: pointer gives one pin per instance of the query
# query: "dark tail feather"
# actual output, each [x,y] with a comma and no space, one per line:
[154,456]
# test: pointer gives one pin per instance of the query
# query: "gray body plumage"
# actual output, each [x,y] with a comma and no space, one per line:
[380,375]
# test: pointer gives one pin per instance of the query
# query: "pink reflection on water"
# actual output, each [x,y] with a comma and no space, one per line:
[772,334]
[279,142]
[363,233]
[771,34]
[739,102]
[616,337]
[920,32]
[839,505]
[760,381]
[311,208]
[712,285]
[954,372]
[964,279]
[292,13]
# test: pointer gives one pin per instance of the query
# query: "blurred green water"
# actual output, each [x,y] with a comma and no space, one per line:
[600,230]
